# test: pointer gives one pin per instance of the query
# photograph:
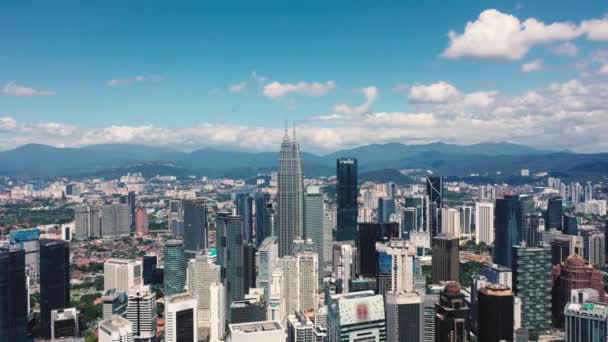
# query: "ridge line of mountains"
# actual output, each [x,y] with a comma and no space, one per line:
[43,161]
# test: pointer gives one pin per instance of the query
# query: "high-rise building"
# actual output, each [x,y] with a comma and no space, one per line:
[87,222]
[181,318]
[289,284]
[404,317]
[328,235]
[450,222]
[434,189]
[28,241]
[446,259]
[150,262]
[276,306]
[13,295]
[263,224]
[386,208]
[141,221]
[554,214]
[570,225]
[369,234]
[409,221]
[202,272]
[356,316]
[573,274]
[175,267]
[495,318]
[484,222]
[267,331]
[313,224]
[299,328]
[115,220]
[229,234]
[344,263]
[267,261]
[176,217]
[429,316]
[508,224]
[531,227]
[307,266]
[594,247]
[64,323]
[451,315]
[532,284]
[114,303]
[346,198]
[247,310]
[141,311]
[290,194]
[54,281]
[122,274]
[466,220]
[497,274]
[421,203]
[586,322]
[217,307]
[244,208]
[487,192]
[115,329]
[195,226]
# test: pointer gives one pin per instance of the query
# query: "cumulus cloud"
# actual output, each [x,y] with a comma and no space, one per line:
[595,29]
[275,90]
[564,115]
[238,87]
[371,95]
[134,79]
[439,92]
[603,70]
[566,49]
[535,65]
[16,90]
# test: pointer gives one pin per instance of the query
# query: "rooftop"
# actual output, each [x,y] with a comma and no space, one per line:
[253,327]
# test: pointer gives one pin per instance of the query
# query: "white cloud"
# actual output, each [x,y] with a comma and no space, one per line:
[16,90]
[439,92]
[603,70]
[134,79]
[275,90]
[497,35]
[595,29]
[566,49]
[238,87]
[371,95]
[480,98]
[535,65]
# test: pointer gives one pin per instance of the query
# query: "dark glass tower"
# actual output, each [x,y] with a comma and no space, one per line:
[13,295]
[149,264]
[570,225]
[54,281]
[434,189]
[244,208]
[451,315]
[446,263]
[508,228]
[495,319]
[369,234]
[230,256]
[175,267]
[195,226]
[554,214]
[346,198]
[262,219]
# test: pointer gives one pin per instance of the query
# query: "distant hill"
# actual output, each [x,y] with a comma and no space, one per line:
[42,161]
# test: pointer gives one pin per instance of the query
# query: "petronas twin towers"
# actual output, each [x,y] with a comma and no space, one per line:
[290,194]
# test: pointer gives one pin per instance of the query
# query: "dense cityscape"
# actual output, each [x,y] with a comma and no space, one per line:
[281,257]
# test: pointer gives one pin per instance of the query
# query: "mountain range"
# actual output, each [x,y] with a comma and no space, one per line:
[43,161]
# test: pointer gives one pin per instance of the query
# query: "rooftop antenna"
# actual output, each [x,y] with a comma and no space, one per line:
[294,131]
[286,128]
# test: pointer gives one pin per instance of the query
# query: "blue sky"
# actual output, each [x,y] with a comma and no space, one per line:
[228,74]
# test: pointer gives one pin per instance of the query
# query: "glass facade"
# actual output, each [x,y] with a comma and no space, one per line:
[54,280]
[175,267]
[346,198]
[508,224]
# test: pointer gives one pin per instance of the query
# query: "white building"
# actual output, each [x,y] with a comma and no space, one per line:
[450,222]
[276,306]
[202,272]
[217,312]
[180,318]
[122,274]
[267,331]
[141,312]
[356,316]
[308,284]
[484,222]
[115,329]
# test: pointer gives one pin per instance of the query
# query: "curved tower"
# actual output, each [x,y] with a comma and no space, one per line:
[290,194]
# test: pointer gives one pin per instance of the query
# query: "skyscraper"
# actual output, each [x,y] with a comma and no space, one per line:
[466,218]
[141,311]
[217,311]
[313,224]
[451,314]
[450,222]
[263,224]
[13,295]
[404,317]
[150,262]
[267,261]
[532,283]
[586,322]
[484,222]
[244,208]
[554,214]
[175,267]
[181,318]
[356,316]
[202,272]
[141,221]
[409,221]
[369,234]
[446,260]
[28,241]
[290,194]
[121,274]
[508,224]
[195,226]
[229,234]
[115,329]
[495,318]
[346,198]
[307,266]
[434,189]
[54,281]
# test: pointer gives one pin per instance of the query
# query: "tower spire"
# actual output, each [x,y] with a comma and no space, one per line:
[286,135]
[294,131]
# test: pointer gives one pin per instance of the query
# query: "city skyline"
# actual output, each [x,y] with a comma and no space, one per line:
[212,75]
